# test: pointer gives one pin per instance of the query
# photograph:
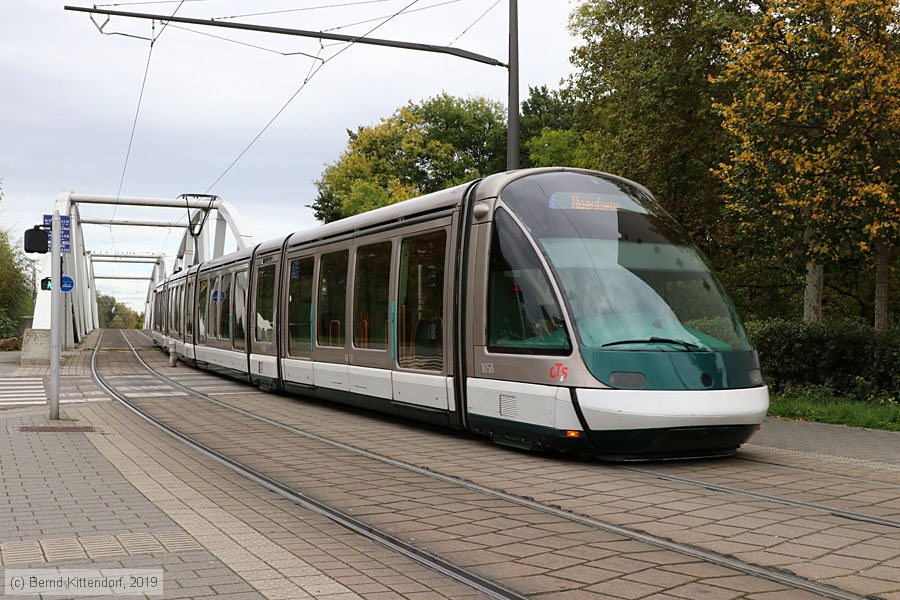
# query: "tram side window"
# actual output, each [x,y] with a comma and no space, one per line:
[370,315]
[239,309]
[182,300]
[170,322]
[224,303]
[173,321]
[189,309]
[179,314]
[300,307]
[523,314]
[331,304]
[202,302]
[420,313]
[214,295]
[265,304]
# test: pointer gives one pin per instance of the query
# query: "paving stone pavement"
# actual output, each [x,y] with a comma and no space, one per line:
[859,556]
[9,362]
[62,505]
[257,545]
[868,446]
[97,500]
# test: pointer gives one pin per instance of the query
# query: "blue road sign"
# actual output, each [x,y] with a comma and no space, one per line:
[65,235]
[64,220]
[66,284]
[64,243]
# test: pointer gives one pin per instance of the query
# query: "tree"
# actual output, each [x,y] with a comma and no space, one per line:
[645,100]
[546,129]
[545,109]
[555,148]
[113,314]
[15,283]
[815,119]
[421,148]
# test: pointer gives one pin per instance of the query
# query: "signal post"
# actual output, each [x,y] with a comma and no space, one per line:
[36,241]
[55,310]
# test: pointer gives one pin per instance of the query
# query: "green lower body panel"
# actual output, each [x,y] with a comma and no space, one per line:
[677,442]
[527,436]
[219,370]
[440,418]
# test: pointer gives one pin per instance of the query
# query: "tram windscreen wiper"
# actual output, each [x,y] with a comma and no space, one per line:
[655,340]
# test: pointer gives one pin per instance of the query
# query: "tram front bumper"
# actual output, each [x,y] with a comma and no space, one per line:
[671,423]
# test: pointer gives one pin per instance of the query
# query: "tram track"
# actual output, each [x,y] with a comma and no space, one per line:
[825,509]
[851,478]
[475,581]
[774,574]
[727,489]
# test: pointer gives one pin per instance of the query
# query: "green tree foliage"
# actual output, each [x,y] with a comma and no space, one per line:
[815,120]
[116,315]
[556,148]
[15,283]
[545,109]
[15,278]
[645,100]
[546,129]
[421,148]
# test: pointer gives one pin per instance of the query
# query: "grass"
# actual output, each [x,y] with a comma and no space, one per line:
[805,405]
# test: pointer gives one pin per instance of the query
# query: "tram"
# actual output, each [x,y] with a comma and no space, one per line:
[548,309]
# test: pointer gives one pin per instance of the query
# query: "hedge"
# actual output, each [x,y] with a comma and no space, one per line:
[844,356]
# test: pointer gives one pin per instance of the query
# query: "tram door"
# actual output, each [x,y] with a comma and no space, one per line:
[420,322]
[521,359]
[261,326]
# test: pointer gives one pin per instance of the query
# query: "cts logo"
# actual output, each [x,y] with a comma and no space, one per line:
[559,371]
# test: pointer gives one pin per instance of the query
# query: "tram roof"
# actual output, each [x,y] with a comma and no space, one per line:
[393,213]
[488,188]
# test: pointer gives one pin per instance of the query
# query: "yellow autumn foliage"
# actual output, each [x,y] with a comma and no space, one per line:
[815,122]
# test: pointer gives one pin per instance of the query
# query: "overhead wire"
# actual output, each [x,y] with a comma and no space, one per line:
[312,73]
[233,41]
[137,113]
[326,45]
[409,12]
[475,22]
[153,38]
[150,2]
[303,9]
[313,70]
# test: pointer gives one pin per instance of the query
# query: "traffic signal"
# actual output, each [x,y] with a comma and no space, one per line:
[46,284]
[36,240]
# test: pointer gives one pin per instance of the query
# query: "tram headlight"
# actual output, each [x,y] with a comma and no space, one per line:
[756,377]
[627,379]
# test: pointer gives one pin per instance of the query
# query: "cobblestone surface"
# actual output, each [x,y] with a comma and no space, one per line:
[860,557]
[534,552]
[63,505]
[132,497]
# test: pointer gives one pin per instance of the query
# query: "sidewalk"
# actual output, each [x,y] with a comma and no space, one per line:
[869,446]
[121,495]
[101,489]
[9,362]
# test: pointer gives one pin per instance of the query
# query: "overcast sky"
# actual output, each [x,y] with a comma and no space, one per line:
[69,96]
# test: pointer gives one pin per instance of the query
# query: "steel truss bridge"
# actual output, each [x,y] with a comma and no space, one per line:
[208,218]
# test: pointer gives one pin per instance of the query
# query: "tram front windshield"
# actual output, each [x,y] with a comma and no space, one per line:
[630,278]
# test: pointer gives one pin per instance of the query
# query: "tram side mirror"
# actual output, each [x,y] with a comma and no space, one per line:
[36,240]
